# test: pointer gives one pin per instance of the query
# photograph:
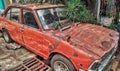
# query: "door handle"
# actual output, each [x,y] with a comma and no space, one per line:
[22,29]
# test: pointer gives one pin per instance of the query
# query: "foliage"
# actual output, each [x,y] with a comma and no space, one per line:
[110,8]
[78,12]
[58,25]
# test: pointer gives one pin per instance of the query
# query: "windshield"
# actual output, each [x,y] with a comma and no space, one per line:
[53,18]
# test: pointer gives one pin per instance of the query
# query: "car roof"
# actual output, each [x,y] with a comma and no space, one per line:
[38,6]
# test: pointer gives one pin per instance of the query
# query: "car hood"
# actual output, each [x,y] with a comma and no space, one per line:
[92,39]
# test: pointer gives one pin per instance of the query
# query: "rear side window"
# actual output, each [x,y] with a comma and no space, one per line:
[13,14]
[28,19]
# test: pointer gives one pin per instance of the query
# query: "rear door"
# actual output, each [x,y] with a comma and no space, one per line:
[32,35]
[12,23]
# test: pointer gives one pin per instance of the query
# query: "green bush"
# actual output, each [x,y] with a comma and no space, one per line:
[77,11]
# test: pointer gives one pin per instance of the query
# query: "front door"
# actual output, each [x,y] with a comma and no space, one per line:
[33,37]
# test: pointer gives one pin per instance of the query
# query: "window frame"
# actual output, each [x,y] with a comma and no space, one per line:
[41,21]
[10,9]
[29,10]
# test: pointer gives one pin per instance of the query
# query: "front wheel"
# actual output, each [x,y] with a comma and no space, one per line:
[61,63]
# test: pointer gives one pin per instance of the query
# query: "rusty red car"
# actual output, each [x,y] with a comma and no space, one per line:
[68,46]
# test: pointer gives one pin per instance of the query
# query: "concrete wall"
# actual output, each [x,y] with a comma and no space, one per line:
[1,4]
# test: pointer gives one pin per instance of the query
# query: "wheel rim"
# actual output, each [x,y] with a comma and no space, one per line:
[6,37]
[60,66]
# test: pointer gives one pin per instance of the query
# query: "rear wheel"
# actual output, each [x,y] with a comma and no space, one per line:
[61,63]
[6,36]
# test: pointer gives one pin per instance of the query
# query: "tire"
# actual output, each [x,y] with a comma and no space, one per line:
[6,36]
[61,63]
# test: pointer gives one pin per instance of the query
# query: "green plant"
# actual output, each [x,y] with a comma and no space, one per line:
[58,25]
[77,11]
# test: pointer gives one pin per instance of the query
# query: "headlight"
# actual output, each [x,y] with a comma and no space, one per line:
[94,65]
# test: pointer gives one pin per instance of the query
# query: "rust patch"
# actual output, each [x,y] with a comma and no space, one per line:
[106,44]
[112,41]
[75,54]
[53,46]
[56,43]
[111,35]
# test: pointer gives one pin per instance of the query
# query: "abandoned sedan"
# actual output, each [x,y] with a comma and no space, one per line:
[44,30]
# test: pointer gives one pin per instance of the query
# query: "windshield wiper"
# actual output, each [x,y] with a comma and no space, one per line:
[65,28]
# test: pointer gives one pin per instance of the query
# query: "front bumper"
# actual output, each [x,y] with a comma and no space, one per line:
[100,65]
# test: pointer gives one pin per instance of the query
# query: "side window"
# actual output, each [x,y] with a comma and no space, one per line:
[13,14]
[28,19]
